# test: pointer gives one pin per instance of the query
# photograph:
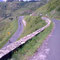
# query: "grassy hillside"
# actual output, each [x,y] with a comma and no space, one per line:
[27,8]
[18,8]
[5,27]
[33,23]
[52,9]
[10,11]
[31,46]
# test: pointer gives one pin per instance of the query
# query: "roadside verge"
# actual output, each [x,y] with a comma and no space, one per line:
[23,40]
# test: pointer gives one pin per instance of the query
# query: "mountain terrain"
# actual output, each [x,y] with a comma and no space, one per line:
[52,9]
[9,13]
[8,8]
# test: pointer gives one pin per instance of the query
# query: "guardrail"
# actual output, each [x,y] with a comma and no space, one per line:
[23,40]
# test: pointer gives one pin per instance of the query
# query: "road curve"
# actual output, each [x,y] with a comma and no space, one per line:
[23,40]
[50,49]
[17,34]
[54,43]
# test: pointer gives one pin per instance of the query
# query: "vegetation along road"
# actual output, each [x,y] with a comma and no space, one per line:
[17,33]
[50,50]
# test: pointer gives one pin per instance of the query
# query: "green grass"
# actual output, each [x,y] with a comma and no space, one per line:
[26,9]
[52,9]
[33,23]
[5,27]
[31,46]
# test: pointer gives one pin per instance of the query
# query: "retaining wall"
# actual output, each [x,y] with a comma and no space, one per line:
[23,40]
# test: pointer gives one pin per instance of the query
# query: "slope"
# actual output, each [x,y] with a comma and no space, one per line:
[52,9]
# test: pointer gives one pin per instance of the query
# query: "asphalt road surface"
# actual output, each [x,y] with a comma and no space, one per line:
[54,43]
[50,50]
[17,34]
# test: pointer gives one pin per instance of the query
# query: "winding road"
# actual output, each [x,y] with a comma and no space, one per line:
[17,34]
[50,49]
[4,51]
[54,43]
